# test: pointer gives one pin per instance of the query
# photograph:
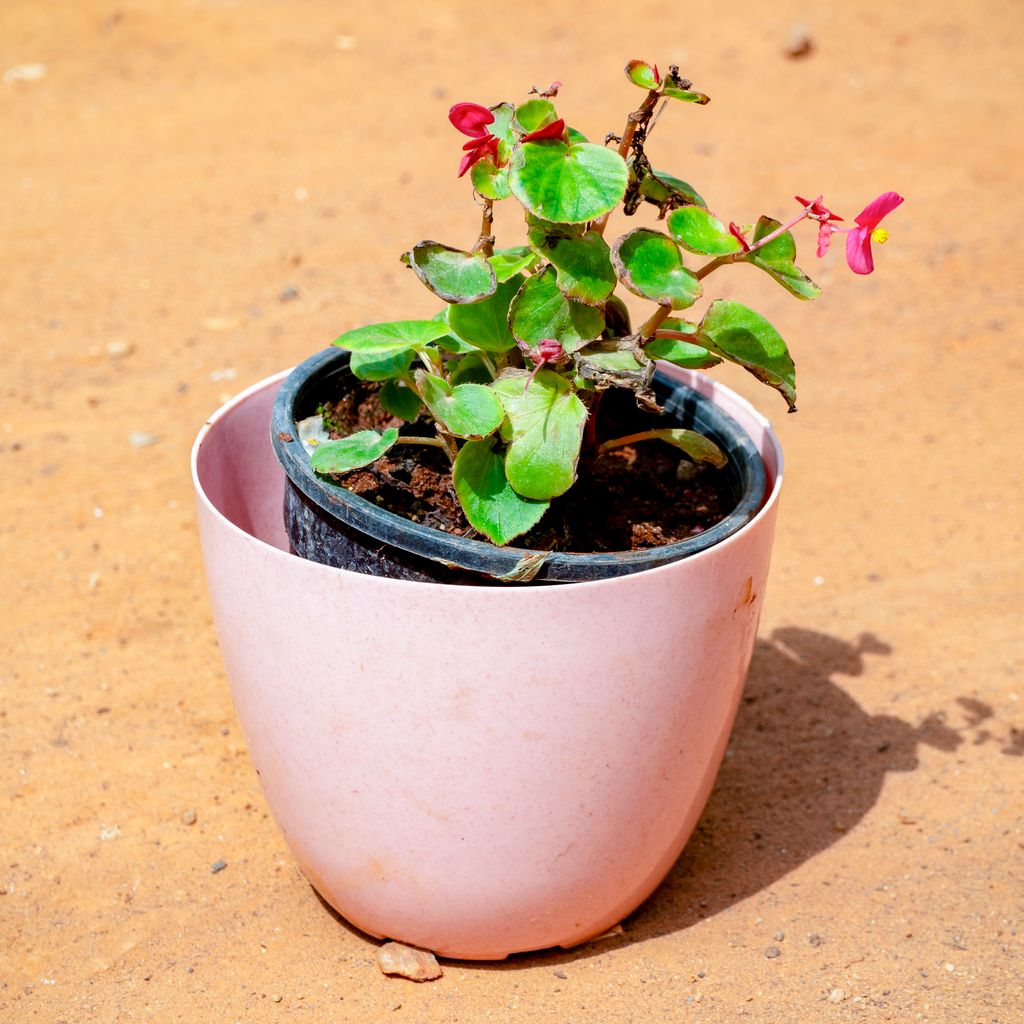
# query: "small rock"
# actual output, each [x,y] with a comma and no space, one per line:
[779,936]
[799,44]
[562,975]
[139,439]
[25,73]
[772,952]
[111,832]
[278,999]
[288,294]
[119,349]
[815,940]
[218,865]
[224,373]
[189,817]
[837,995]
[408,962]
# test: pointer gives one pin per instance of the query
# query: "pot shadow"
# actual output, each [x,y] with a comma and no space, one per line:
[805,763]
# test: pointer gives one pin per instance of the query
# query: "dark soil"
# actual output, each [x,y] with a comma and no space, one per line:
[628,499]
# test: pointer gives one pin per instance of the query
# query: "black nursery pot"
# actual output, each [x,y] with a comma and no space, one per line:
[327,523]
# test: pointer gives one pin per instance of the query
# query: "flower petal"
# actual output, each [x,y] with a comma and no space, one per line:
[470,118]
[549,131]
[477,143]
[825,232]
[878,208]
[858,250]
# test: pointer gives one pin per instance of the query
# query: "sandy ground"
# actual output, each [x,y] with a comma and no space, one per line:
[179,166]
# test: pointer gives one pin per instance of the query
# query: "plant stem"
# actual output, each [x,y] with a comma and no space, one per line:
[637,118]
[485,243]
[488,362]
[619,442]
[434,442]
[656,319]
[736,257]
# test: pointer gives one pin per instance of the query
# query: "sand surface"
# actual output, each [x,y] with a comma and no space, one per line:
[196,194]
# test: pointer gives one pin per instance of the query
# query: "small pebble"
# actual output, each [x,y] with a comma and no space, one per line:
[139,439]
[408,962]
[772,952]
[800,44]
[278,999]
[189,817]
[218,865]
[562,975]
[119,349]
[288,294]
[815,939]
[25,73]
[837,995]
[779,936]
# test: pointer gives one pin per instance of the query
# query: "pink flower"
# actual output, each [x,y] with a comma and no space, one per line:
[858,241]
[815,209]
[472,119]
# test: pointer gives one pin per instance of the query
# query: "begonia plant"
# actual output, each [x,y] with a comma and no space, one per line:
[511,371]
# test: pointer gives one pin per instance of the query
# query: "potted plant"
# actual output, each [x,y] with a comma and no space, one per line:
[480,770]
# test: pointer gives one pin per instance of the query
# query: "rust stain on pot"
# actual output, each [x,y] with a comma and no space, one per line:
[747,597]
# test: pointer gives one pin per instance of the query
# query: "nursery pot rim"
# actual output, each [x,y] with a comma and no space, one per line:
[494,563]
[691,377]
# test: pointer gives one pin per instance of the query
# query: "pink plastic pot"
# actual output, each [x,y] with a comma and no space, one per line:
[475,770]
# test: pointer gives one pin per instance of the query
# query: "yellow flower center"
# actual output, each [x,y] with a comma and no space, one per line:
[880,235]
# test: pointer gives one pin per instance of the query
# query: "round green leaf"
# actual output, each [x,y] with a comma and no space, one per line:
[487,498]
[485,323]
[700,231]
[509,262]
[583,264]
[639,72]
[569,184]
[400,400]
[777,258]
[540,311]
[742,336]
[452,274]
[681,353]
[367,366]
[650,265]
[398,336]
[534,114]
[490,181]
[467,410]
[547,420]
[352,452]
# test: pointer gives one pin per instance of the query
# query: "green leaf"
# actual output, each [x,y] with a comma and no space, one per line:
[541,311]
[490,181]
[777,259]
[574,135]
[686,95]
[400,400]
[509,262]
[452,274]
[470,369]
[668,191]
[467,410]
[487,498]
[583,265]
[398,336]
[639,72]
[742,336]
[501,129]
[352,452]
[681,353]
[367,366]
[697,446]
[700,231]
[547,420]
[485,323]
[567,183]
[650,265]
[534,114]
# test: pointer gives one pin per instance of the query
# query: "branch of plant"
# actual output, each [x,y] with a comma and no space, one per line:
[485,243]
[635,119]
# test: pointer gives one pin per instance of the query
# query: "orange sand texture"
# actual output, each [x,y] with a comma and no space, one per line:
[175,167]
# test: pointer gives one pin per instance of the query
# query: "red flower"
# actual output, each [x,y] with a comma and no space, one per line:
[472,119]
[549,131]
[858,241]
